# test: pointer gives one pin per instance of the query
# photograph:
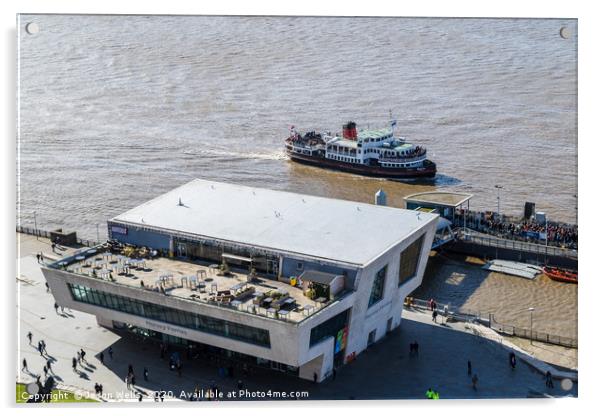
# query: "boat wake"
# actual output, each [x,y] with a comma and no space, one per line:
[276,155]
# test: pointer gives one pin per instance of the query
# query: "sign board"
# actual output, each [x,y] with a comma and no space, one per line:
[116,229]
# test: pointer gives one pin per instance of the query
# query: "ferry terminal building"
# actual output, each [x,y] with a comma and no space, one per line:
[308,282]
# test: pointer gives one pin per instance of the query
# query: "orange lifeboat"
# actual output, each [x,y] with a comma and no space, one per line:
[560,275]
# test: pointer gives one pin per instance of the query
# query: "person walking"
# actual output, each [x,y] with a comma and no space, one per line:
[101,357]
[475,379]
[49,364]
[38,257]
[512,358]
[111,353]
[549,382]
[469,367]
[145,374]
[435,316]
[24,365]
[47,287]
[429,393]
[41,348]
[29,337]
[45,372]
[83,354]
[56,308]
[74,364]
[44,347]
[79,357]
[133,381]
[53,246]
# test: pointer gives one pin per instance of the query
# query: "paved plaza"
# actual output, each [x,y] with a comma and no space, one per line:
[440,364]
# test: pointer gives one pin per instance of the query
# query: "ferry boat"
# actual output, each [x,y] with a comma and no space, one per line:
[367,152]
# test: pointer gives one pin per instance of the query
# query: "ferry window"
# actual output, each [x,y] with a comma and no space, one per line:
[378,287]
[408,260]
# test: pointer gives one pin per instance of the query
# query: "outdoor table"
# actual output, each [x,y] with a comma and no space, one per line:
[236,303]
[321,300]
[289,301]
[307,308]
[283,313]
[268,300]
[271,310]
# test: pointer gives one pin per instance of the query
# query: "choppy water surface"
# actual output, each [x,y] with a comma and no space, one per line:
[116,110]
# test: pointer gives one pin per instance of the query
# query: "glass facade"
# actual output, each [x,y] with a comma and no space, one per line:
[165,314]
[408,260]
[378,287]
[329,328]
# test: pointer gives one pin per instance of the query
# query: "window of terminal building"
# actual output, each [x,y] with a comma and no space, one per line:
[408,260]
[299,266]
[173,316]
[378,287]
[330,328]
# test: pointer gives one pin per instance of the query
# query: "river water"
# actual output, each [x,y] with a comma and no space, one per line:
[116,110]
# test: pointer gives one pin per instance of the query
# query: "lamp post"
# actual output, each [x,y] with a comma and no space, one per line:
[576,209]
[498,187]
[531,334]
[35,222]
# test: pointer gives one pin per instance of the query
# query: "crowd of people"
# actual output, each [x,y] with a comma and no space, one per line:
[561,235]
[558,234]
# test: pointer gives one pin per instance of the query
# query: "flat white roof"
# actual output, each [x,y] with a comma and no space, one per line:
[333,229]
